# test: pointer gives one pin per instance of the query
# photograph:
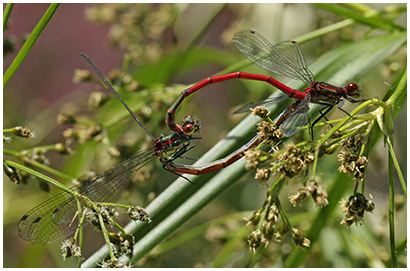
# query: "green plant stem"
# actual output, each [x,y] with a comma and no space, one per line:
[307,37]
[378,22]
[181,200]
[192,205]
[121,229]
[200,31]
[229,247]
[106,237]
[113,204]
[393,157]
[401,87]
[200,229]
[41,176]
[323,139]
[338,188]
[30,42]
[6,14]
[39,165]
[81,236]
[391,214]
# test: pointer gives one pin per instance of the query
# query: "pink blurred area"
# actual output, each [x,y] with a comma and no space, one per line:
[48,69]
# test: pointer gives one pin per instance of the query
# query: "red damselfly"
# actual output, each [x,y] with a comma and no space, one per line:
[58,218]
[285,58]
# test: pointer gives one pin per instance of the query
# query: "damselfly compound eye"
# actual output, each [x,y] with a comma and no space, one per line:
[352,89]
[188,128]
[190,125]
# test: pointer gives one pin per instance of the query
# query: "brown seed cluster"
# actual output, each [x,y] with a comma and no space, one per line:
[142,44]
[299,238]
[352,162]
[23,132]
[269,131]
[355,208]
[252,158]
[262,174]
[69,248]
[293,161]
[264,222]
[260,111]
[122,245]
[106,213]
[138,213]
[318,193]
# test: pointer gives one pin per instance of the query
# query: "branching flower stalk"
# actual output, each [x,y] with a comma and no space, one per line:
[348,133]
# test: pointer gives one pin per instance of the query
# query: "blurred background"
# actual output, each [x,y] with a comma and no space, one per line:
[151,52]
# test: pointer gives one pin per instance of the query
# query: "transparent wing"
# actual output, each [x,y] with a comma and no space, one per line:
[55,218]
[284,58]
[297,117]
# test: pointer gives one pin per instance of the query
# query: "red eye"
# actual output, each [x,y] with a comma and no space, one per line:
[188,128]
[352,89]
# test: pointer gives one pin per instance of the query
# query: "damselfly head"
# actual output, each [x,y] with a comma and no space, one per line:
[353,90]
[190,125]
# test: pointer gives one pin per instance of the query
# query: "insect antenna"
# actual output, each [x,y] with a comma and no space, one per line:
[110,87]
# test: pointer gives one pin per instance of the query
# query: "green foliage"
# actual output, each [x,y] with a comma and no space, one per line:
[148,80]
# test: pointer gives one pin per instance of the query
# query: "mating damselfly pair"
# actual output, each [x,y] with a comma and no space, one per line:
[59,216]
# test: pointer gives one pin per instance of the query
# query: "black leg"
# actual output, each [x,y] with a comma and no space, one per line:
[341,109]
[179,175]
[176,155]
[328,107]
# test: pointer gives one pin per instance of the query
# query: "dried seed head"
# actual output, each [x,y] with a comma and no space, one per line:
[89,133]
[299,238]
[63,148]
[353,143]
[268,130]
[81,76]
[138,213]
[12,173]
[6,139]
[97,99]
[66,118]
[116,263]
[107,216]
[260,111]
[132,86]
[23,132]
[69,248]
[262,174]
[355,208]
[353,165]
[273,214]
[71,133]
[293,161]
[255,240]
[268,232]
[319,194]
[252,158]
[297,198]
[254,219]
[39,155]
[123,245]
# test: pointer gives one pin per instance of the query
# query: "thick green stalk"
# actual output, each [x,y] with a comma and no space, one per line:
[7,11]
[392,236]
[41,176]
[30,42]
